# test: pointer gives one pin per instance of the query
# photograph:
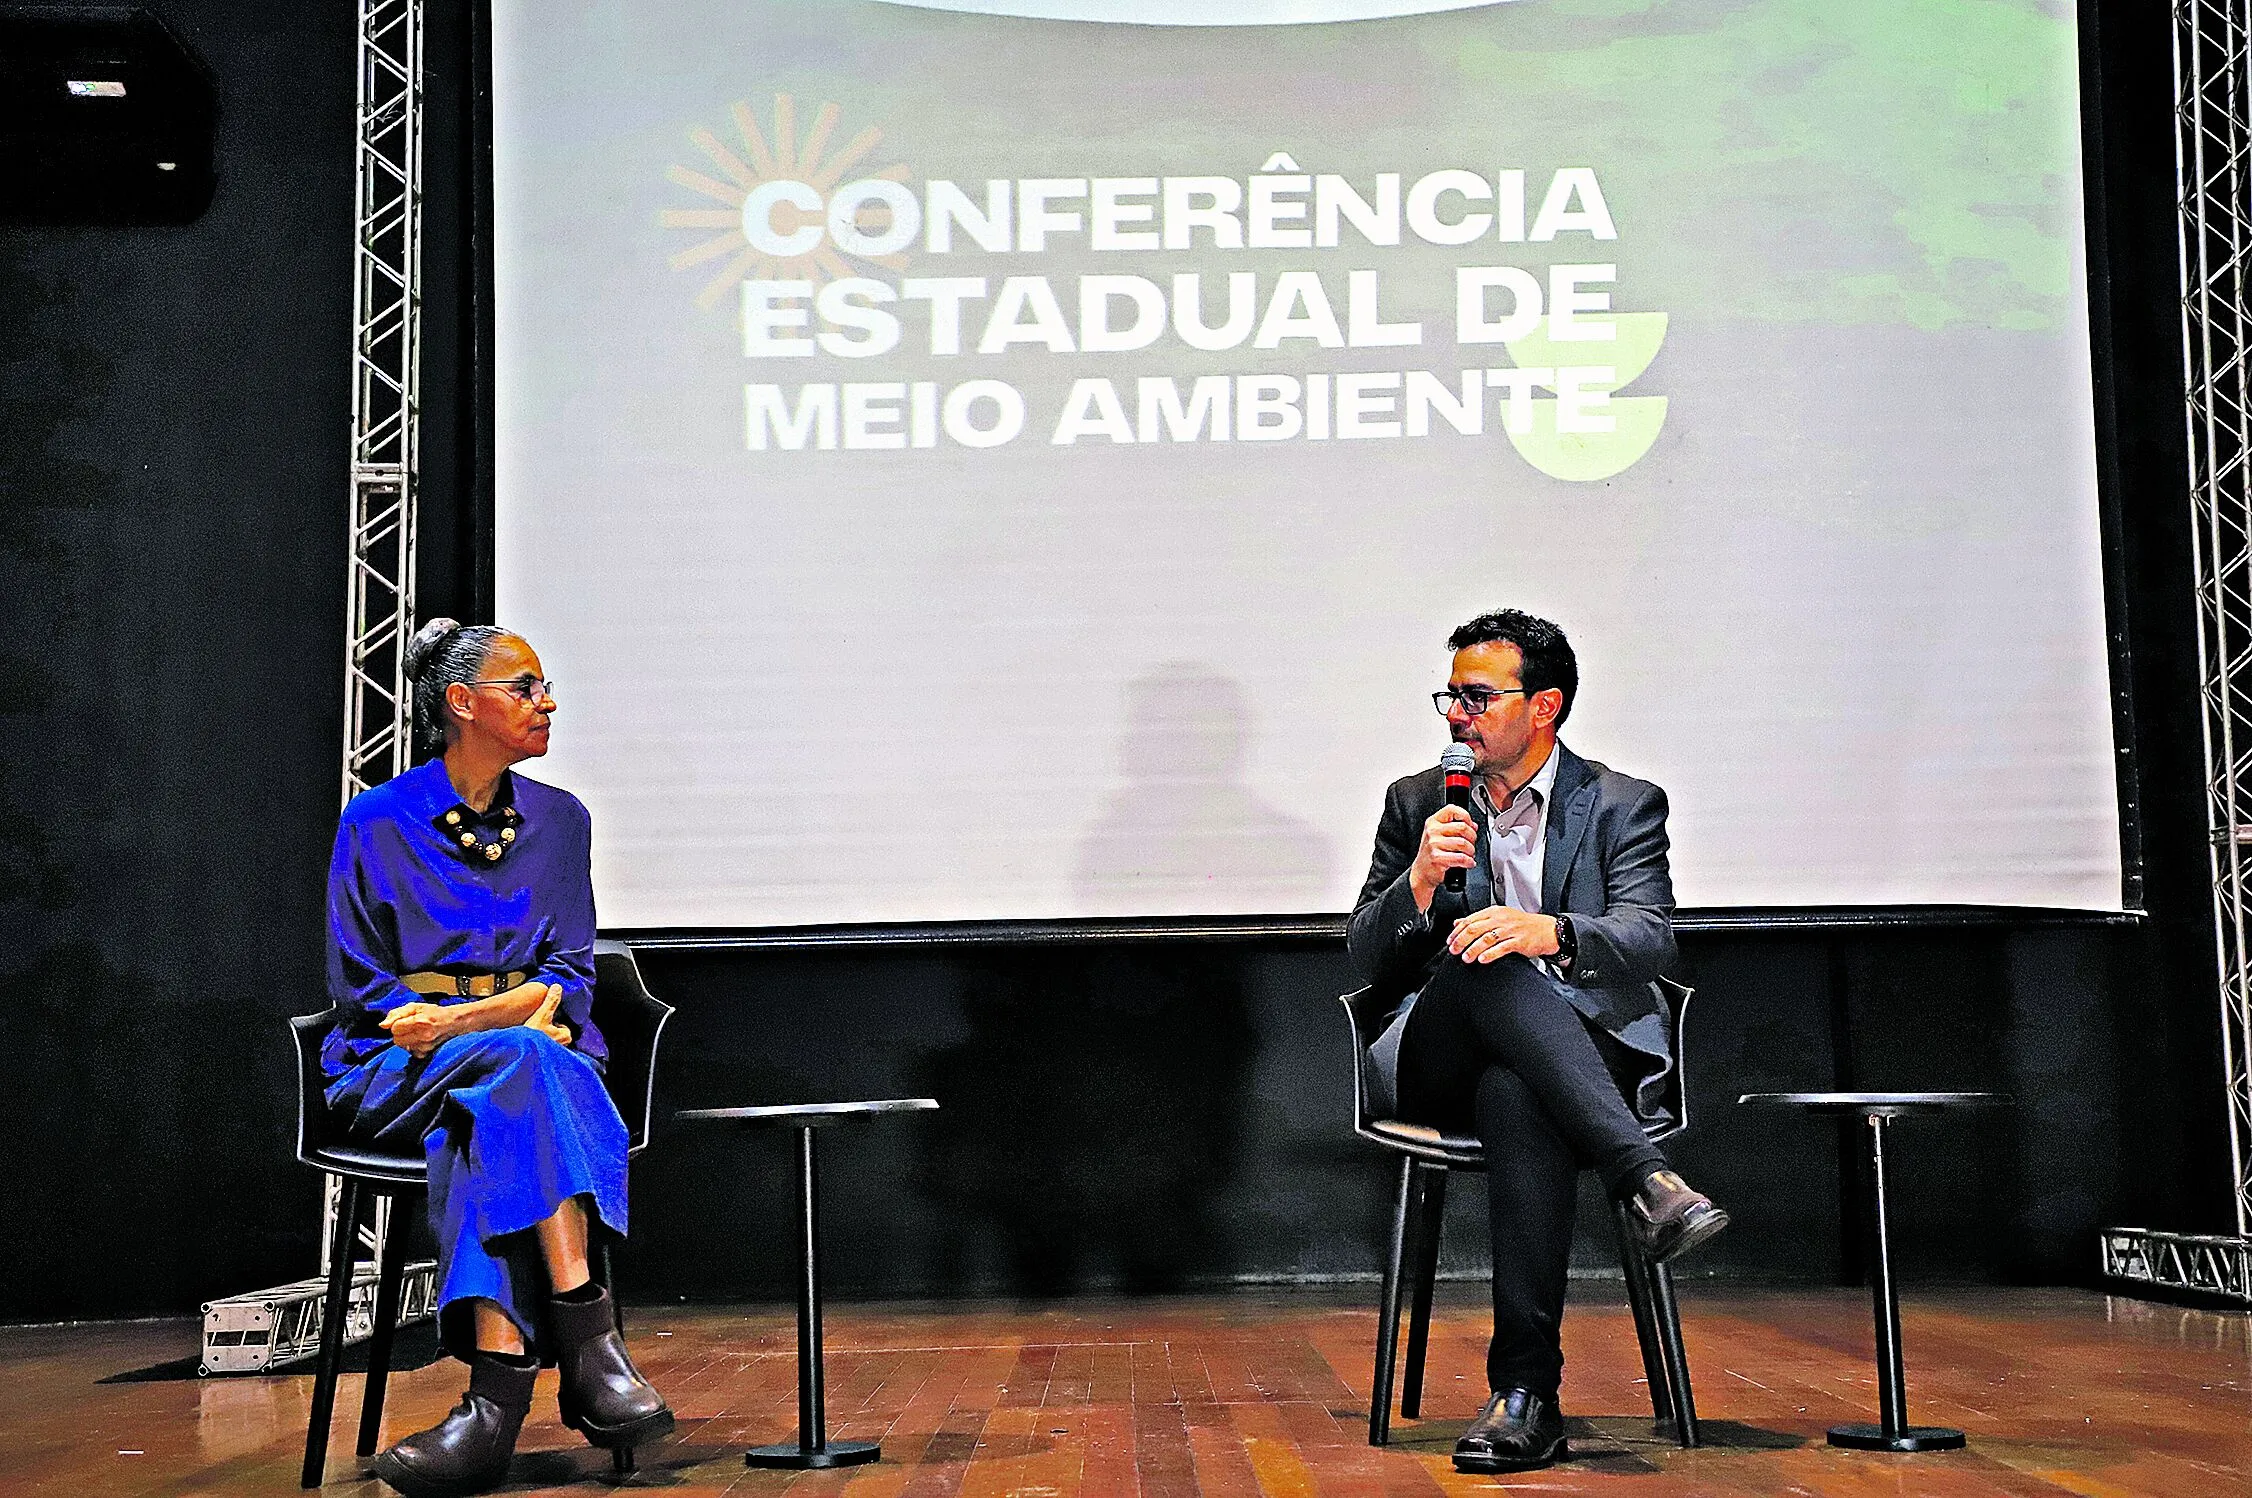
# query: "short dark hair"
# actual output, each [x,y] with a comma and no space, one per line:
[1549,661]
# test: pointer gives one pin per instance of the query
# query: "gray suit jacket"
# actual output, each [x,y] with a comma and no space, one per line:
[1605,866]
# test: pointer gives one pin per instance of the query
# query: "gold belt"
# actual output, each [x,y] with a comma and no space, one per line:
[464,985]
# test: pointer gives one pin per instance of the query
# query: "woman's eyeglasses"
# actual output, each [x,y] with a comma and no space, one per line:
[526,688]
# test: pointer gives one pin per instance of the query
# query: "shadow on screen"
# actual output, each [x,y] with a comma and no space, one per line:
[1185,835]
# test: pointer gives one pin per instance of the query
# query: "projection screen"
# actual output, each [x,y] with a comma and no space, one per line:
[1010,462]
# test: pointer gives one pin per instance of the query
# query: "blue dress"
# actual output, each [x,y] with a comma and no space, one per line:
[512,1122]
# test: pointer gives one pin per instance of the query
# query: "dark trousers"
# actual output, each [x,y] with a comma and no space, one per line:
[1498,1051]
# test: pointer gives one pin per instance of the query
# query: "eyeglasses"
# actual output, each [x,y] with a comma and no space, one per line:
[526,688]
[1473,700]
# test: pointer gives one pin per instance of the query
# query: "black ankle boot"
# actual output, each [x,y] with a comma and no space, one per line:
[468,1451]
[605,1398]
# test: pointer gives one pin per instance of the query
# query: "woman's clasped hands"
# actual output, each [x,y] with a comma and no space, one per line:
[418,1028]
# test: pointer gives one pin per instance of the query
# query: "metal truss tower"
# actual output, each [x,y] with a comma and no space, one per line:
[2213,173]
[386,337]
[386,419]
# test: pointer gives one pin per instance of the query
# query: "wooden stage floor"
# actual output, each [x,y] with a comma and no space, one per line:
[1249,1393]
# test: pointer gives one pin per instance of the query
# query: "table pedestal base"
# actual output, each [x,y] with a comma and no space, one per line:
[830,1454]
[1911,1438]
[812,1449]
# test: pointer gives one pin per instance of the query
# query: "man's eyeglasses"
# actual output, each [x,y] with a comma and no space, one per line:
[1472,700]
[526,688]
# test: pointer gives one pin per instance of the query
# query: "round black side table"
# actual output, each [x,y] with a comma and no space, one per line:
[1876,1109]
[813,1447]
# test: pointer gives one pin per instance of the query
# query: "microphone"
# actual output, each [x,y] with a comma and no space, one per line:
[1457,763]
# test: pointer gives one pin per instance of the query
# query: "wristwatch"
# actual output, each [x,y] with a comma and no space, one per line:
[1567,941]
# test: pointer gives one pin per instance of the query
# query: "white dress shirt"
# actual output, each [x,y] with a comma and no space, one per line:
[1517,836]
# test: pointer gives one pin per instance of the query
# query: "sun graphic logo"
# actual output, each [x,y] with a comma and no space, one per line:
[789,213]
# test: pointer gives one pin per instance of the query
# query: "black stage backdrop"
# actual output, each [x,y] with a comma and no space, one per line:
[1150,1115]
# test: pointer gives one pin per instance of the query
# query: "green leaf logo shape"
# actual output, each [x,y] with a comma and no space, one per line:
[1635,420]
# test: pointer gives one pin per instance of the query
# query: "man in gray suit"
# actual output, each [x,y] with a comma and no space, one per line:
[1530,1016]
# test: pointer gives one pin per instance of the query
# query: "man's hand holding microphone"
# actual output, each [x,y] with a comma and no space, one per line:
[1448,847]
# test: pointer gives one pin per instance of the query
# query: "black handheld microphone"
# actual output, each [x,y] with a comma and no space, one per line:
[1456,764]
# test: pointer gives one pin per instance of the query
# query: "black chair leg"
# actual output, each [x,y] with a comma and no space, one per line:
[1403,1293]
[1677,1357]
[1431,1213]
[391,1253]
[331,1357]
[598,1270]
[598,1266]
[1638,1298]
[1388,1315]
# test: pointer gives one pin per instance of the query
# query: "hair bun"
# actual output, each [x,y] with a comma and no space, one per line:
[425,644]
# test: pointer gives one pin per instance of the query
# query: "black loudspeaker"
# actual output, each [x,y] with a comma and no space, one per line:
[105,118]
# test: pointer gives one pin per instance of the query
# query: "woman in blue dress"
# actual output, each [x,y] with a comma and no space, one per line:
[461,916]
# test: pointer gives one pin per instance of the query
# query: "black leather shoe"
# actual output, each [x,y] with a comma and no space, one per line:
[1670,1217]
[468,1451]
[605,1398]
[1517,1431]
